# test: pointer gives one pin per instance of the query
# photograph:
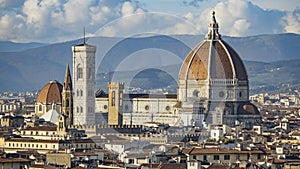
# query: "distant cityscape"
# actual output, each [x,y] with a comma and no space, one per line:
[212,121]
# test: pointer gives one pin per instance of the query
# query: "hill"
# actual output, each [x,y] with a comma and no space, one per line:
[7,46]
[280,76]
[25,67]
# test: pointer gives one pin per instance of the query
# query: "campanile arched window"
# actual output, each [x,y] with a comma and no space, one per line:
[79,72]
[113,100]
[67,103]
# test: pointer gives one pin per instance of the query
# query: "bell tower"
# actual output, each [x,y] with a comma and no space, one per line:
[84,83]
[67,98]
[115,103]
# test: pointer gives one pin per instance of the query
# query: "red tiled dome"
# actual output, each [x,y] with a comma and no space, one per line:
[50,93]
[213,58]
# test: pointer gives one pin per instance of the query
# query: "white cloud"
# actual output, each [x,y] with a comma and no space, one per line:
[147,22]
[128,8]
[282,5]
[292,22]
[8,23]
[241,18]
[59,20]
[7,4]
[239,27]
[54,20]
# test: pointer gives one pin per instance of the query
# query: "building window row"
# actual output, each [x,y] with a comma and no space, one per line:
[21,145]
[8,107]
[37,133]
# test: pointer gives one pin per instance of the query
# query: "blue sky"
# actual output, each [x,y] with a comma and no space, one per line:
[61,20]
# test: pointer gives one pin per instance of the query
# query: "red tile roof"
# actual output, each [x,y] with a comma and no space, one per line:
[41,128]
[173,166]
[14,160]
[50,93]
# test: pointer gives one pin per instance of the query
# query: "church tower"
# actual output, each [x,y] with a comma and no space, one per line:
[115,103]
[84,83]
[67,98]
[61,126]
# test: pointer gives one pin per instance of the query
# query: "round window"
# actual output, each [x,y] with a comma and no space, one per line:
[105,107]
[147,107]
[221,94]
[196,93]
[167,107]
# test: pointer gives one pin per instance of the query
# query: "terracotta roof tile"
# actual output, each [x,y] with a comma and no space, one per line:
[196,151]
[218,166]
[50,93]
[14,160]
[41,128]
[173,166]
[218,56]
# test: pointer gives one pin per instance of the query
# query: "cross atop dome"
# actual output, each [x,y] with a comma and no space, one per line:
[213,29]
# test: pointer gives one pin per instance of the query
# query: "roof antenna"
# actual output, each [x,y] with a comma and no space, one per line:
[84,35]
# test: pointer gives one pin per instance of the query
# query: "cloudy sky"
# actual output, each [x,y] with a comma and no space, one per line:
[61,20]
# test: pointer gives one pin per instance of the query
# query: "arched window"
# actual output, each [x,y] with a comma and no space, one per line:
[113,103]
[40,107]
[121,98]
[90,73]
[79,72]
[67,102]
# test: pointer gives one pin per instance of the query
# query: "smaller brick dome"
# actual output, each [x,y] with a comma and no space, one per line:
[50,93]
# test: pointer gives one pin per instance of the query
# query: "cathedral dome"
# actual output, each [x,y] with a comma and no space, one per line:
[213,59]
[50,93]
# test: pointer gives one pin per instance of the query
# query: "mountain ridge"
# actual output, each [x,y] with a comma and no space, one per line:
[32,68]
